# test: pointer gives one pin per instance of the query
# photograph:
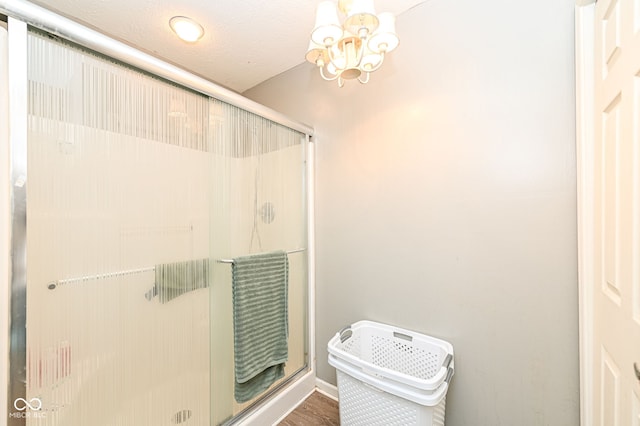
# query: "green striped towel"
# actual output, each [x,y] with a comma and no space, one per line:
[260,321]
[175,279]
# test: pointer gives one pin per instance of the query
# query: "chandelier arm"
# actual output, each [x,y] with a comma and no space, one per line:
[363,44]
[366,80]
[340,82]
[377,67]
[332,58]
[359,54]
[328,78]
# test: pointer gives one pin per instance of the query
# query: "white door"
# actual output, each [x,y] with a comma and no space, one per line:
[615,399]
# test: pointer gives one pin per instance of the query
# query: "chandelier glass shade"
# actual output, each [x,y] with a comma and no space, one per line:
[354,48]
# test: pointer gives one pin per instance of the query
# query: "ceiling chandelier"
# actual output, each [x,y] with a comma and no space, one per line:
[355,48]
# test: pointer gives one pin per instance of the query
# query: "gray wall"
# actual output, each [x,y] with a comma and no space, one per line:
[446,200]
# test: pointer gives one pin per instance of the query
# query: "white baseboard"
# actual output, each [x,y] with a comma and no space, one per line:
[327,389]
[283,403]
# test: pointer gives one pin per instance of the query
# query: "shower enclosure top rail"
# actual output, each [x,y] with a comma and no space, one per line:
[48,21]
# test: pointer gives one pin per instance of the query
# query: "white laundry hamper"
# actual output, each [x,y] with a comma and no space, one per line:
[389,376]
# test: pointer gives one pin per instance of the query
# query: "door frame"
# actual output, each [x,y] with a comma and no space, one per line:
[584,63]
[5,221]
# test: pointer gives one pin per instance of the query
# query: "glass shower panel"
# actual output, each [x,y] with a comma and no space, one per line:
[259,206]
[119,259]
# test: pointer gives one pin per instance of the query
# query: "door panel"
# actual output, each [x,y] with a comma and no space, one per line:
[610,390]
[616,211]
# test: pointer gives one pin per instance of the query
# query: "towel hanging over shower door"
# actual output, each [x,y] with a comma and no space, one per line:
[260,321]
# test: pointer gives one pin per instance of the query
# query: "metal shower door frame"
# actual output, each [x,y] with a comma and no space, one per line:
[17,73]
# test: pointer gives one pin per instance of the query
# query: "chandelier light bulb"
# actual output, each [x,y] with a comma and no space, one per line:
[316,54]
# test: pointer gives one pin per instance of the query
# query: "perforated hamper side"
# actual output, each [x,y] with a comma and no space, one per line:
[363,405]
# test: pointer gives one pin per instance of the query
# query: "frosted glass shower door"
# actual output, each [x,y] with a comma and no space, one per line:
[140,195]
[259,206]
[118,177]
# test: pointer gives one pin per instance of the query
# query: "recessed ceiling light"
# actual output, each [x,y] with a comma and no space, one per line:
[186,28]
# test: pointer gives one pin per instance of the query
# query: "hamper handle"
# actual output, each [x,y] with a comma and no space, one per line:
[449,375]
[345,333]
[447,361]
[402,336]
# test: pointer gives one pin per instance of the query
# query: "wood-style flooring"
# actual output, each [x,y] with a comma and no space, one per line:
[316,410]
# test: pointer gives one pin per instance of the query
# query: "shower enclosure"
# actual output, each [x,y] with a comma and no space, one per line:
[132,197]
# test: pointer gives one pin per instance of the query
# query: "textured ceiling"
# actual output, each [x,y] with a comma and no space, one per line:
[246,41]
